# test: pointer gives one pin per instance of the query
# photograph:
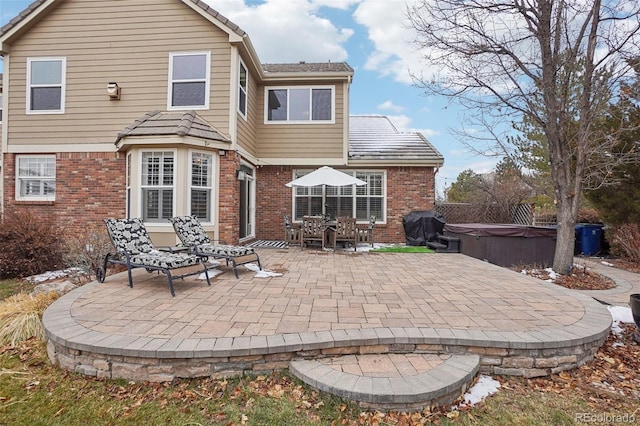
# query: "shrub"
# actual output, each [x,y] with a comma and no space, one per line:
[30,245]
[84,253]
[625,241]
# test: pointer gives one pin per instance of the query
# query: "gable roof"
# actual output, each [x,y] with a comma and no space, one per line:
[373,138]
[38,6]
[184,124]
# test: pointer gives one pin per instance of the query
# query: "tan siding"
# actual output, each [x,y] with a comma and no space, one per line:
[302,140]
[246,129]
[127,42]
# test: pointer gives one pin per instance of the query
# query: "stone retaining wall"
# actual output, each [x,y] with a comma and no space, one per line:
[499,361]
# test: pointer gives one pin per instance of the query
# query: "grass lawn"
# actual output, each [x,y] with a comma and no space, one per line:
[402,249]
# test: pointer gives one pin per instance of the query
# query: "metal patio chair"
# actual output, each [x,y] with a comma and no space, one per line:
[192,235]
[134,249]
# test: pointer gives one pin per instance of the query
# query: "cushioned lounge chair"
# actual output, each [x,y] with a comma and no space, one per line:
[134,249]
[192,235]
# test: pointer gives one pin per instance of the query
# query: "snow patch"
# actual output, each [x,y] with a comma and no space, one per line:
[484,387]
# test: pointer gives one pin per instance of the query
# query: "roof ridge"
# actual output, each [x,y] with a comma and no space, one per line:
[186,122]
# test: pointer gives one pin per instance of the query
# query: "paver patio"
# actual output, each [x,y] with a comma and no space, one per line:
[325,304]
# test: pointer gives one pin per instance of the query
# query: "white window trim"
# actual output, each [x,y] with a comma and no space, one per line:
[141,186]
[211,187]
[244,113]
[207,85]
[63,85]
[17,176]
[310,121]
[352,172]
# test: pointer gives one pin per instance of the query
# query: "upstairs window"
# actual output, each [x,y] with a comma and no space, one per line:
[36,177]
[0,107]
[189,80]
[45,85]
[300,105]
[242,90]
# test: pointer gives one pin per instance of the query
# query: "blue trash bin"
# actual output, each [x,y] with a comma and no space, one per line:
[589,236]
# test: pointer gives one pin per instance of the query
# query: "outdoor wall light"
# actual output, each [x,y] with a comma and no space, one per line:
[241,175]
[222,152]
[113,90]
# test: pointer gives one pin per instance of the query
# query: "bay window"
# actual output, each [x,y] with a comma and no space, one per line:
[201,185]
[157,185]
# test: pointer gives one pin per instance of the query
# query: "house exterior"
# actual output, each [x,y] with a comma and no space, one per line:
[156,109]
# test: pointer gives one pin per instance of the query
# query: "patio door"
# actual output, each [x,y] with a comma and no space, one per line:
[247,183]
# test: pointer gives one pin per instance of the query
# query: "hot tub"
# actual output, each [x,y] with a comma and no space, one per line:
[505,244]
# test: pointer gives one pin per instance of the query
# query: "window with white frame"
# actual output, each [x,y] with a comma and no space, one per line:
[370,198]
[201,185]
[243,82]
[189,80]
[36,177]
[157,185]
[45,85]
[300,104]
[360,202]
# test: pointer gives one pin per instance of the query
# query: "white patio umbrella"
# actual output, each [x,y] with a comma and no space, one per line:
[326,175]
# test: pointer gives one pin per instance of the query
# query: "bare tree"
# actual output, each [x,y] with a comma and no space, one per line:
[514,59]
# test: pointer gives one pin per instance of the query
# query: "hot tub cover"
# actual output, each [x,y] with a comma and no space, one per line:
[496,229]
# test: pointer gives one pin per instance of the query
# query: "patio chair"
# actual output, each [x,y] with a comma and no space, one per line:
[291,231]
[365,235]
[134,249]
[192,235]
[345,231]
[313,230]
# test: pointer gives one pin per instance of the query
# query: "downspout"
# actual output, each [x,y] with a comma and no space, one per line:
[345,145]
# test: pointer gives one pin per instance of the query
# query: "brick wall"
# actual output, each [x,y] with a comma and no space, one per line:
[228,198]
[408,189]
[89,188]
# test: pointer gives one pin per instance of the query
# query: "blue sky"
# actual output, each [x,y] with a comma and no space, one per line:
[372,37]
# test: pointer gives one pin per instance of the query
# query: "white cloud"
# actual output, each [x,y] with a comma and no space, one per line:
[390,106]
[289,31]
[389,31]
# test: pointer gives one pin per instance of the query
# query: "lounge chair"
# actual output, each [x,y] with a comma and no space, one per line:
[134,249]
[365,235]
[345,231]
[291,232]
[192,235]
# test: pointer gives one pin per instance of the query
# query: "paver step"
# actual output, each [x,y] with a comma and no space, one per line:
[405,382]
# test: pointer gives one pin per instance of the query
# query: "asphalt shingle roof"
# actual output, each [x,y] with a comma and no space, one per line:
[374,137]
[186,123]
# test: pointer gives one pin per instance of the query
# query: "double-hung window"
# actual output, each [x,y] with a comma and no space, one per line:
[201,188]
[189,80]
[360,202]
[45,85]
[243,81]
[35,177]
[370,197]
[157,184]
[300,104]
